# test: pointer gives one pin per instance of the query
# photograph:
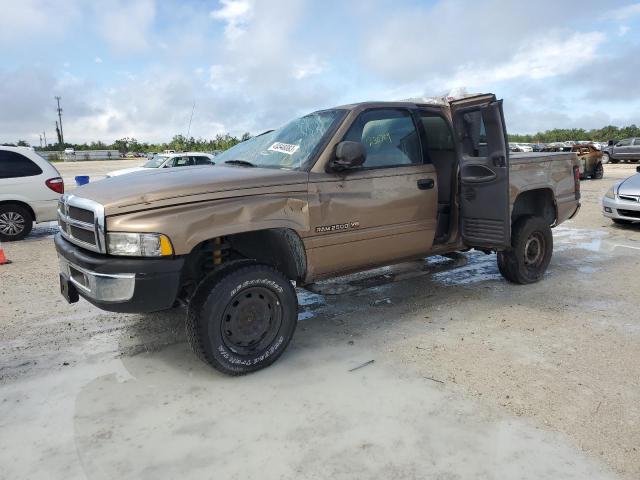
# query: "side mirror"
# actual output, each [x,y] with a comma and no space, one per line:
[348,155]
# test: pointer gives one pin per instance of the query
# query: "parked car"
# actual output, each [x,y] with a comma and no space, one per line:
[514,147]
[339,190]
[621,203]
[537,147]
[627,150]
[526,147]
[30,188]
[167,160]
[590,159]
[557,147]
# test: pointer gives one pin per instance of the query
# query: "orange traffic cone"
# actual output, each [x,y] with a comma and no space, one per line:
[3,260]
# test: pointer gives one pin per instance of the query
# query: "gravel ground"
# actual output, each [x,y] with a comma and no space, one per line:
[473,377]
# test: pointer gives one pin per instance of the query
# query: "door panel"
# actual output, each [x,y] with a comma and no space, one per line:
[622,150]
[382,212]
[484,171]
[635,149]
[370,217]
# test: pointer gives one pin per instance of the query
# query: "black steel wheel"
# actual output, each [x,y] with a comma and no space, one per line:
[251,320]
[16,222]
[242,317]
[530,252]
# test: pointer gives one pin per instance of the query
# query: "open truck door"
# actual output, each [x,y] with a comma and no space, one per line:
[483,155]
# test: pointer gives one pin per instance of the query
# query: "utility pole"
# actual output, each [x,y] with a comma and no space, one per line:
[45,139]
[189,129]
[40,135]
[60,118]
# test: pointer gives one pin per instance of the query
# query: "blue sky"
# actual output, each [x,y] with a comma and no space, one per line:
[135,68]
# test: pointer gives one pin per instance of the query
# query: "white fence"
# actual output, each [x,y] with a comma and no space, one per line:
[81,155]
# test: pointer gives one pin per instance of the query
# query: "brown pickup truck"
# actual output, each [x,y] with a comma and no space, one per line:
[336,191]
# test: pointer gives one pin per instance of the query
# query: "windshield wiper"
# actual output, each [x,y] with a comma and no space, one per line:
[242,163]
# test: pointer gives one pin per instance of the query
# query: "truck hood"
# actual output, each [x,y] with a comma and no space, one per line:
[124,171]
[172,186]
[630,186]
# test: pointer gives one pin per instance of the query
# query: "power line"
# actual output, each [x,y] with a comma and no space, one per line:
[60,118]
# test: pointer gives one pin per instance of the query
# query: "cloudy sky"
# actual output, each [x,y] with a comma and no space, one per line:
[136,67]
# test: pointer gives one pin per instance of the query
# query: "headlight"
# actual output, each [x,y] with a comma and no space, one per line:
[611,193]
[138,244]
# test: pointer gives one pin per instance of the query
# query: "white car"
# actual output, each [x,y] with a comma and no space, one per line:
[525,147]
[169,160]
[520,147]
[29,191]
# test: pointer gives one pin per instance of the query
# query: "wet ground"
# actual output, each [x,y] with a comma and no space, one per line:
[471,377]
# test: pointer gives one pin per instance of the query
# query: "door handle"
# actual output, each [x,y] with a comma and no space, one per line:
[426,183]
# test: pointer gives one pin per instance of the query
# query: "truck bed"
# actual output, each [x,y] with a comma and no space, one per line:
[546,170]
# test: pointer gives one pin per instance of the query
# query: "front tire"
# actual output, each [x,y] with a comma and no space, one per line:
[530,253]
[16,222]
[242,318]
[605,158]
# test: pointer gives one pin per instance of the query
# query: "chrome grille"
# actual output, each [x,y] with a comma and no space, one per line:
[81,222]
[630,198]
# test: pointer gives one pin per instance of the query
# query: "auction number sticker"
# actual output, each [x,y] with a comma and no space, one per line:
[287,148]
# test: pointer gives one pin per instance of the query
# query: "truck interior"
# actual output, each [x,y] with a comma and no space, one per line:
[440,150]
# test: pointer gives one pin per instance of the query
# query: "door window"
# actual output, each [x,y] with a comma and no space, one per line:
[474,143]
[183,162]
[389,137]
[13,164]
[201,160]
[636,142]
[437,132]
[624,143]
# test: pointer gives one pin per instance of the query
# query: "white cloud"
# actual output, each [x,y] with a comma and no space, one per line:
[125,25]
[28,20]
[251,65]
[537,60]
[235,13]
[98,60]
[624,13]
[309,68]
[623,30]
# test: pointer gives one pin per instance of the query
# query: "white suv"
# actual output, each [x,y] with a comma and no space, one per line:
[168,160]
[29,191]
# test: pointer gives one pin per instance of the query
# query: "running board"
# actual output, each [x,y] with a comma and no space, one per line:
[385,275]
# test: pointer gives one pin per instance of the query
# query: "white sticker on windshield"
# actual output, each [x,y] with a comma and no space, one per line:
[284,148]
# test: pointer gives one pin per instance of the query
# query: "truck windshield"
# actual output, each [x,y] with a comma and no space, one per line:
[289,147]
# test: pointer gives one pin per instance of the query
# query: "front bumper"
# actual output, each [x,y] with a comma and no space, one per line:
[119,284]
[621,209]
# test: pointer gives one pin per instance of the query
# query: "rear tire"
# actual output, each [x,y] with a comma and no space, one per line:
[598,173]
[530,253]
[16,222]
[242,317]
